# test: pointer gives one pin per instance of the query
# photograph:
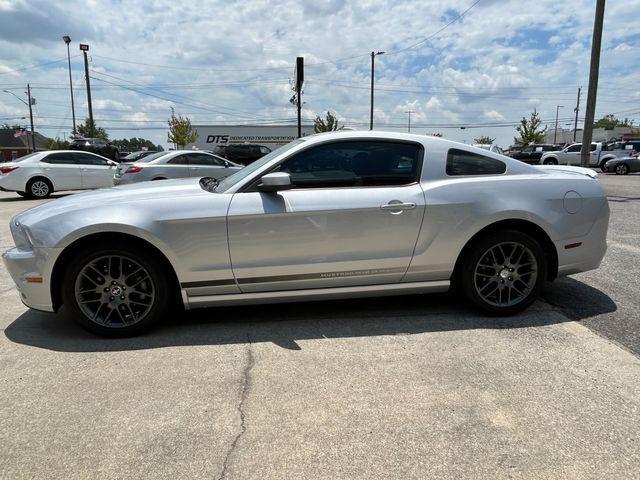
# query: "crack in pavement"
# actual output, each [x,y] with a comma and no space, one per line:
[246,384]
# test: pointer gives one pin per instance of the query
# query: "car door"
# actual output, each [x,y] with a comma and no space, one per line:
[571,155]
[175,167]
[205,165]
[352,218]
[97,172]
[63,171]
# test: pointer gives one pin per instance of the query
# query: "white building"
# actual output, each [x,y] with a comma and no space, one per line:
[272,136]
[599,134]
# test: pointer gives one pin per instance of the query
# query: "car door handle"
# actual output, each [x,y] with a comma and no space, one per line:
[397,205]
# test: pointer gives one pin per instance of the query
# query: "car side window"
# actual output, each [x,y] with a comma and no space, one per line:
[204,159]
[179,160]
[461,162]
[355,164]
[264,150]
[593,147]
[574,148]
[86,159]
[60,158]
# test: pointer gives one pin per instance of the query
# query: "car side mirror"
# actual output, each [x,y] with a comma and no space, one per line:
[273,182]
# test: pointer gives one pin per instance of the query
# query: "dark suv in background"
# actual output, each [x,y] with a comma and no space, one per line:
[243,154]
[532,153]
[96,145]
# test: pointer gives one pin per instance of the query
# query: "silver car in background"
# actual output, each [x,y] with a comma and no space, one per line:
[334,215]
[174,164]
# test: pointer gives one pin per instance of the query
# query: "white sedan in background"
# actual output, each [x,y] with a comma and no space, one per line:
[175,164]
[39,174]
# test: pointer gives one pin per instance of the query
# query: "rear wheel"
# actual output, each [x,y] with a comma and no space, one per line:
[504,272]
[622,169]
[116,290]
[39,188]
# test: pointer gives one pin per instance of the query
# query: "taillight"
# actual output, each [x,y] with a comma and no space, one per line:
[133,169]
[4,170]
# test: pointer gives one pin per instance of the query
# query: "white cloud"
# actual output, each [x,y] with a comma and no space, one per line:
[496,64]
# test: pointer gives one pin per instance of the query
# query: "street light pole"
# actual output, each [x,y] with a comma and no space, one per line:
[67,40]
[555,131]
[28,92]
[85,48]
[373,56]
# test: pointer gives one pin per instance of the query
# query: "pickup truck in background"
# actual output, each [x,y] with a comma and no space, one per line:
[601,153]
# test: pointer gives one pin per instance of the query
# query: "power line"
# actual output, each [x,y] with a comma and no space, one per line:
[22,69]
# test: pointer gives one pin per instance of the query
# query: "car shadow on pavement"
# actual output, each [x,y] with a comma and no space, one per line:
[18,198]
[286,324]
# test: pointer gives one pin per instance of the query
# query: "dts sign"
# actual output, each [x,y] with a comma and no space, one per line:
[218,139]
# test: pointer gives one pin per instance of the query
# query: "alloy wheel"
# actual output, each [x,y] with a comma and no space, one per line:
[506,274]
[39,188]
[114,291]
[622,169]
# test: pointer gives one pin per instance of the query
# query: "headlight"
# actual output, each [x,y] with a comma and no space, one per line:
[20,234]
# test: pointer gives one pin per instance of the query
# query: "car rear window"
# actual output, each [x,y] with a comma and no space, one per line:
[461,162]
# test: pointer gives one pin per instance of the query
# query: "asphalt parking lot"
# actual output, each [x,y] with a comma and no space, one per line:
[406,387]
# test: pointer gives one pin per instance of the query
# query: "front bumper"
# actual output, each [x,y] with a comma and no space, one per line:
[29,270]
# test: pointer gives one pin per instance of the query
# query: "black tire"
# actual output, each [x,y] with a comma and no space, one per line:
[39,188]
[473,272]
[118,326]
[158,178]
[550,161]
[22,194]
[621,169]
[602,165]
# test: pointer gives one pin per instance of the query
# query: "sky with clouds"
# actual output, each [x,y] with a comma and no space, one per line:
[227,62]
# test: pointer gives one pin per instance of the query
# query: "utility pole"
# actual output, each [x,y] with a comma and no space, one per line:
[31,102]
[85,48]
[577,109]
[592,92]
[555,131]
[299,82]
[373,56]
[67,41]
[409,112]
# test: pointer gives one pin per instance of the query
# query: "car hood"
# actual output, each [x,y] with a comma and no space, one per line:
[115,196]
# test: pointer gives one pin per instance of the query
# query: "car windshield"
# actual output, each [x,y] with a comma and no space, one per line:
[240,175]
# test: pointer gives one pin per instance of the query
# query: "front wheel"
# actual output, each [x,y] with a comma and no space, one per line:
[622,169]
[550,161]
[116,290]
[504,272]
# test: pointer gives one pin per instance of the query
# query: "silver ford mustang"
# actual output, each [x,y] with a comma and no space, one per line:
[333,215]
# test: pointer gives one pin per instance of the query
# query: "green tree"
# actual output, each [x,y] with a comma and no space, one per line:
[484,140]
[330,124]
[89,129]
[530,130]
[180,131]
[135,144]
[57,144]
[608,122]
